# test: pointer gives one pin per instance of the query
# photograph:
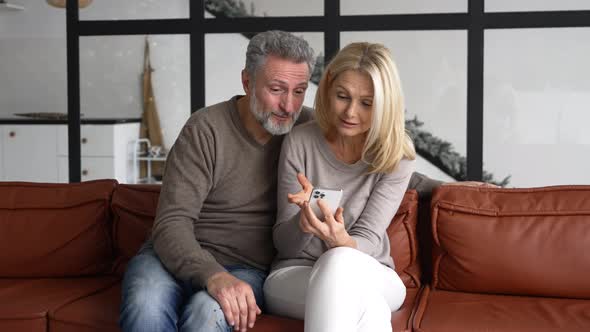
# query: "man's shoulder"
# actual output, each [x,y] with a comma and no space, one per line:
[305,116]
[303,133]
[208,123]
[305,127]
[211,115]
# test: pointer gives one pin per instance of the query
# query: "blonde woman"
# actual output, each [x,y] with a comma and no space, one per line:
[336,272]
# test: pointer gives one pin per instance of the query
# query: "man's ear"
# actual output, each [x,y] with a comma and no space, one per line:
[246,81]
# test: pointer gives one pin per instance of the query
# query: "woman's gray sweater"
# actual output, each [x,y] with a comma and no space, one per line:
[369,201]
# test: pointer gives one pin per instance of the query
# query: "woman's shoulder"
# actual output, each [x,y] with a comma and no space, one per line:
[406,164]
[404,168]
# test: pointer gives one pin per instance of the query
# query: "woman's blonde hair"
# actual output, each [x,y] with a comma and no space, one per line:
[387,141]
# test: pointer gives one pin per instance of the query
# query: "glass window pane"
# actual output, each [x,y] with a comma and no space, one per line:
[535,5]
[33,82]
[380,7]
[536,101]
[33,67]
[134,9]
[111,72]
[433,71]
[246,8]
[225,57]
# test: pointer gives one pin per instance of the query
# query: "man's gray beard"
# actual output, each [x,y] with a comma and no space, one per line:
[264,118]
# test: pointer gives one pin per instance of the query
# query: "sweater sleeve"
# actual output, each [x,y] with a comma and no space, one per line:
[187,182]
[288,238]
[370,229]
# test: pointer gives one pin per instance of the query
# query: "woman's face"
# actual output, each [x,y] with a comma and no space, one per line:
[351,103]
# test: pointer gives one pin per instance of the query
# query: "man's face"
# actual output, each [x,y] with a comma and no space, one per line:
[277,96]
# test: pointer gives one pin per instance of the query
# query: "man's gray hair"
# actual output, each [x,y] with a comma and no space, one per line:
[281,44]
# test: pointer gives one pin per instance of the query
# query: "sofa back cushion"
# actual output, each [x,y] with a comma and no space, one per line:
[134,209]
[512,241]
[403,240]
[55,230]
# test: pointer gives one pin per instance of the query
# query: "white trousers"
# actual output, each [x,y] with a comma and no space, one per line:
[346,290]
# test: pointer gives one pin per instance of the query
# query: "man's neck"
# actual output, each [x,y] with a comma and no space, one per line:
[252,125]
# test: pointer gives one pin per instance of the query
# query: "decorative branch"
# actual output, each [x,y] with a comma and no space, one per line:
[441,154]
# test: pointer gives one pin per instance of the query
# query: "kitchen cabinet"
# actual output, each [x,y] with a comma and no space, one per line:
[106,151]
[39,152]
[29,153]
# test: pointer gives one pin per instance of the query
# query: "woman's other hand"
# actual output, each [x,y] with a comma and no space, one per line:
[302,196]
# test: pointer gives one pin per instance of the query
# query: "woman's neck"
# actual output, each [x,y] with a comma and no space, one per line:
[346,149]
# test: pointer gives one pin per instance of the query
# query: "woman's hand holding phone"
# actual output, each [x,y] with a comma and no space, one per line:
[331,230]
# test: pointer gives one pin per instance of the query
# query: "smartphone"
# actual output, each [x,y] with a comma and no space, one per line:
[330,196]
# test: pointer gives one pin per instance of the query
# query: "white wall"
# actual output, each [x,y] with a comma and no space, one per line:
[111,69]
[354,7]
[33,64]
[537,105]
[135,9]
[535,5]
[286,7]
[379,7]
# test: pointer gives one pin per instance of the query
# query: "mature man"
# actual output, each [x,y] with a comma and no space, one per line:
[204,267]
[211,244]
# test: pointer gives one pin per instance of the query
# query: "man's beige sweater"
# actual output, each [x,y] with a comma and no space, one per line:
[218,199]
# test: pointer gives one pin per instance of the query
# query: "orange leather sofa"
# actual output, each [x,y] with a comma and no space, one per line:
[485,260]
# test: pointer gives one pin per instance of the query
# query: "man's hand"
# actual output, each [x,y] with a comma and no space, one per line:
[236,299]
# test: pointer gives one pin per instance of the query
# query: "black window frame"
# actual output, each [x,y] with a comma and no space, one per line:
[475,21]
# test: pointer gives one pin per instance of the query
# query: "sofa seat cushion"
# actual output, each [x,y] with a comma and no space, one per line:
[443,311]
[269,323]
[55,230]
[100,312]
[26,303]
[96,312]
[401,320]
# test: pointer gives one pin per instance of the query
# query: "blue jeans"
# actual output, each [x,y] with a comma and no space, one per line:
[153,300]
